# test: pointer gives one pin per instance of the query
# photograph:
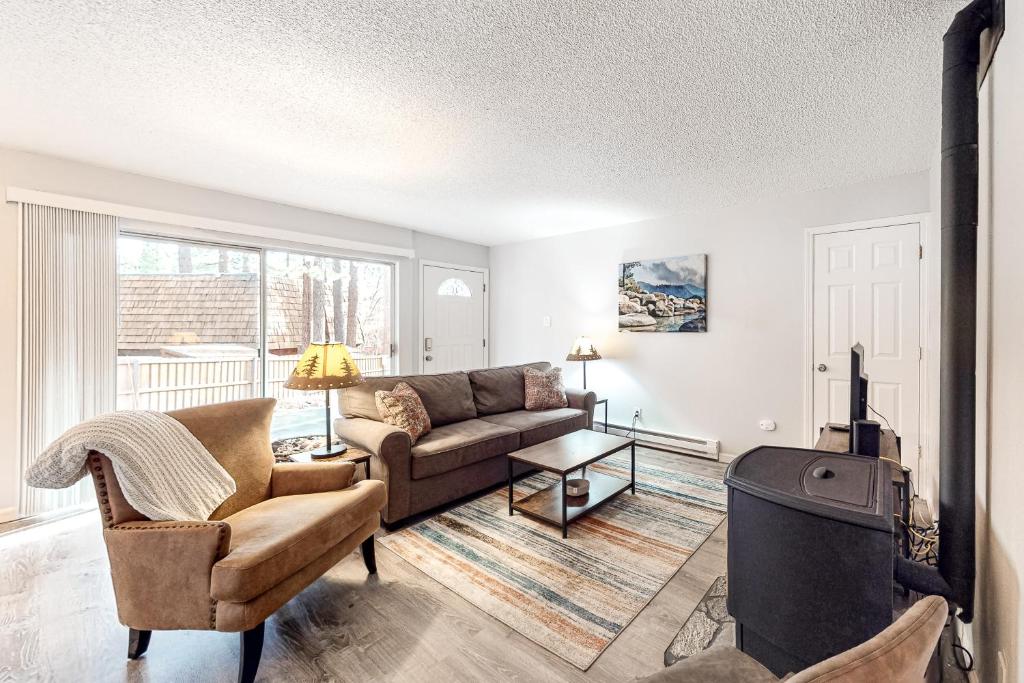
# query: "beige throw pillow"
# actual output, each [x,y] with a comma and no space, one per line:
[544,389]
[403,408]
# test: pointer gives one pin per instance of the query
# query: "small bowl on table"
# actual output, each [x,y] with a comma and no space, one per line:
[577,487]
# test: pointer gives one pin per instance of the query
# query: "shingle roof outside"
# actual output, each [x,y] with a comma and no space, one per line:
[159,310]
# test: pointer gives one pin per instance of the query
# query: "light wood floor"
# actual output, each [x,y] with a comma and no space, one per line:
[58,622]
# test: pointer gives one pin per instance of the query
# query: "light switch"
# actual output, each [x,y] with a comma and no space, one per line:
[547,321]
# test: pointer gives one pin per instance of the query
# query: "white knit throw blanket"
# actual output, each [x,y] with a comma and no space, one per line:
[163,470]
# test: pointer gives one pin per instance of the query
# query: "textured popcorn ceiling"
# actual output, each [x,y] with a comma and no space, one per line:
[490,121]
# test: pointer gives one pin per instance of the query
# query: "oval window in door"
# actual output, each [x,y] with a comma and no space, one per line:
[453,286]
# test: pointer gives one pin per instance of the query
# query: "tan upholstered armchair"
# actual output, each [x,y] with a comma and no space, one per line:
[285,525]
[901,652]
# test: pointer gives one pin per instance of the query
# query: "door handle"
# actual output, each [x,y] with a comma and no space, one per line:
[822,367]
[428,358]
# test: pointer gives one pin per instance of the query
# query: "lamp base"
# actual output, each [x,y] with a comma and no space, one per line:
[329,451]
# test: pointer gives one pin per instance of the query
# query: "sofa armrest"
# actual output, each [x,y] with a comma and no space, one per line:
[161,572]
[371,435]
[292,478]
[582,400]
[390,451]
[721,664]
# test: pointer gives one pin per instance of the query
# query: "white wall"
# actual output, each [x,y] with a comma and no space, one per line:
[49,174]
[748,366]
[1000,612]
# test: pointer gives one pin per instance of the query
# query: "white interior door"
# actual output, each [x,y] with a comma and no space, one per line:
[454,335]
[867,290]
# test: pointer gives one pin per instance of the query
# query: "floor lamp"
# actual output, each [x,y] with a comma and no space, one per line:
[583,350]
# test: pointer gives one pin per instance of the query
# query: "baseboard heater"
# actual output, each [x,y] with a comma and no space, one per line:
[665,441]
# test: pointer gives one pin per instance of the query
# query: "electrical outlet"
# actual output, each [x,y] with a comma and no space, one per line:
[546,322]
[767,425]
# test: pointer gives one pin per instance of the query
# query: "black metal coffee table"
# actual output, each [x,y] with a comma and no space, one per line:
[565,455]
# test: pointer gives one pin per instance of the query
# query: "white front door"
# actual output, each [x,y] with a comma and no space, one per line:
[454,336]
[867,290]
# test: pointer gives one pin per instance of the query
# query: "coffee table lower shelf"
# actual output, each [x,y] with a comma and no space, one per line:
[546,504]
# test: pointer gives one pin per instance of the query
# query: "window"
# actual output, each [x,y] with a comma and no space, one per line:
[315,298]
[188,324]
[453,286]
[196,325]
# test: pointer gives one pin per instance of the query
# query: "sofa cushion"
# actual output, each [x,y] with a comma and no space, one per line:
[463,443]
[403,409]
[500,390]
[448,398]
[544,389]
[272,540]
[360,400]
[536,426]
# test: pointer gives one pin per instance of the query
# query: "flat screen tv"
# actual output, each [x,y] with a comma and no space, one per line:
[858,386]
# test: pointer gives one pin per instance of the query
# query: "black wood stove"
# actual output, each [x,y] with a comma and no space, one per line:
[810,553]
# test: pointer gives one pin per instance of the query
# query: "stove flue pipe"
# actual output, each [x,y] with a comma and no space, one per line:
[959,206]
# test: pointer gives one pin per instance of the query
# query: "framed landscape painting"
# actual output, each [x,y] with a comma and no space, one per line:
[666,295]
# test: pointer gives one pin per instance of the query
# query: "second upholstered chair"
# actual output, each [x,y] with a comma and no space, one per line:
[285,525]
[899,653]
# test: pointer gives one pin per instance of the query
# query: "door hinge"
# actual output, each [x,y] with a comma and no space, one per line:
[485,286]
[920,251]
[485,343]
[391,349]
[920,353]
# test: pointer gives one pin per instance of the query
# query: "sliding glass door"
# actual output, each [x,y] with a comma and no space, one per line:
[188,324]
[206,323]
[318,298]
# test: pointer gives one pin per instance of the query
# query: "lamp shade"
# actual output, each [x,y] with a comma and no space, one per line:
[324,366]
[583,349]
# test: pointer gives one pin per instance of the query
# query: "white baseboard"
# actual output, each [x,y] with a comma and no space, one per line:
[664,442]
[8,514]
[672,443]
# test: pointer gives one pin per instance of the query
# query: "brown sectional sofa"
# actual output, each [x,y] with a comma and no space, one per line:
[476,417]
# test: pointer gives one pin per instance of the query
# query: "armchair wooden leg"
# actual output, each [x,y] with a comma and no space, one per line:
[250,653]
[138,643]
[369,558]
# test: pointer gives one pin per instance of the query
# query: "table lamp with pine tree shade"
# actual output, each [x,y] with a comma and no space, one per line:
[323,367]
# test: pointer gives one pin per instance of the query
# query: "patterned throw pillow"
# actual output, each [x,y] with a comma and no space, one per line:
[544,389]
[403,408]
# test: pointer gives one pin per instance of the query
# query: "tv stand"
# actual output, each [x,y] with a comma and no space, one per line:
[838,441]
[889,445]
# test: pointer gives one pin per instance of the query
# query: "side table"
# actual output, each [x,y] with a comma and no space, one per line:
[605,402]
[353,455]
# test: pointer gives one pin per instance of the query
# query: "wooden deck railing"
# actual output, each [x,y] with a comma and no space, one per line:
[156,383]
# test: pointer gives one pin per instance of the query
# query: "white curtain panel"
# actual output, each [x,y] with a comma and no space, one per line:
[68,334]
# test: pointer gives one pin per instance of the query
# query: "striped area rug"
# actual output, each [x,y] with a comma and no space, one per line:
[571,596]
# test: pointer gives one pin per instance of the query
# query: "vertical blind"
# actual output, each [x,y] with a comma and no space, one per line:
[69,334]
